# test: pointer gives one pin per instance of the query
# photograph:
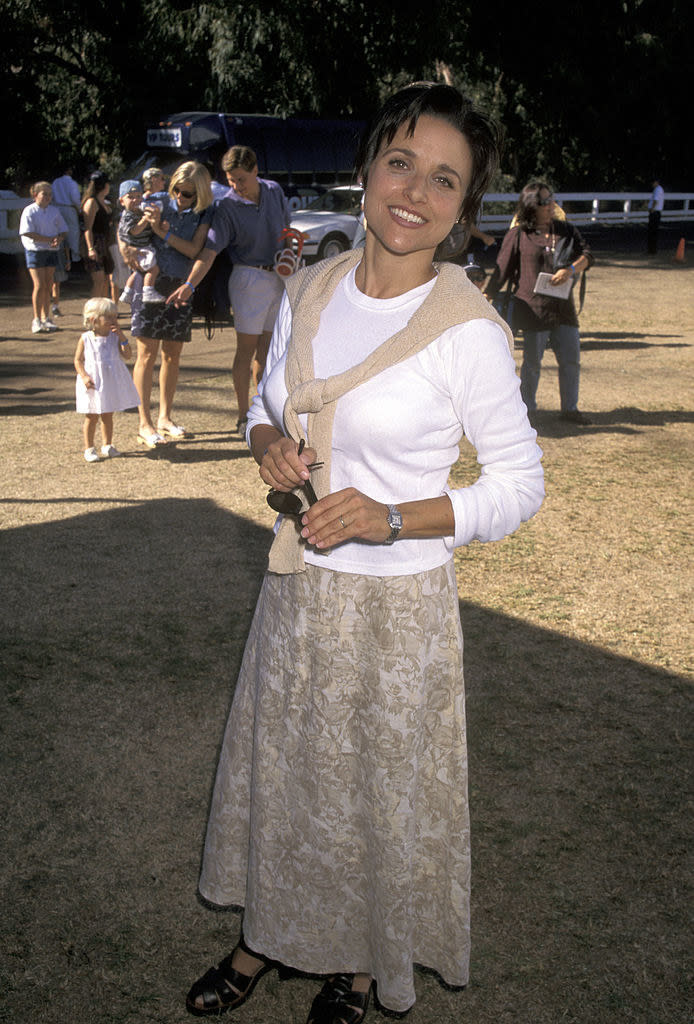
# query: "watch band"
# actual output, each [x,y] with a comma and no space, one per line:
[394,522]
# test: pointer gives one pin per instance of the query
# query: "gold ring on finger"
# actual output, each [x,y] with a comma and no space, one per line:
[343,523]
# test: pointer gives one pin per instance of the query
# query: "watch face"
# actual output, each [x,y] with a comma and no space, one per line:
[394,522]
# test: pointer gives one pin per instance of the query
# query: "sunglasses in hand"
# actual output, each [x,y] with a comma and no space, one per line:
[286,502]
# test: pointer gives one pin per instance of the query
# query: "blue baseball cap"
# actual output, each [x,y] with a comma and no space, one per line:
[129,186]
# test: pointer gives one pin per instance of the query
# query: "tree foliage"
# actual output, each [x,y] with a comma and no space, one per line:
[588,97]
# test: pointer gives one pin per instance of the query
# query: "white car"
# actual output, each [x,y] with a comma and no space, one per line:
[330,222]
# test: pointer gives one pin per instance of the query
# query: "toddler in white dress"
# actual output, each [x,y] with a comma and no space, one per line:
[104,384]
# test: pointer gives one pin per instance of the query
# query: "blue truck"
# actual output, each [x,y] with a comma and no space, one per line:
[305,155]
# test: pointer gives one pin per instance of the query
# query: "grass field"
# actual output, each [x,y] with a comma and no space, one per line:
[128,589]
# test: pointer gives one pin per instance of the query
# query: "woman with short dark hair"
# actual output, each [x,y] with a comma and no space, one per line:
[339,819]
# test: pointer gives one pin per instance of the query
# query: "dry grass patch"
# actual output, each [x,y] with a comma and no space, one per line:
[128,592]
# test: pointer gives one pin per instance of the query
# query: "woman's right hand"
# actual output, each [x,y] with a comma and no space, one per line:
[282,467]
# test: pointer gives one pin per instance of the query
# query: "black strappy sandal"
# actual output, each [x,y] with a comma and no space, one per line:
[224,988]
[338,1003]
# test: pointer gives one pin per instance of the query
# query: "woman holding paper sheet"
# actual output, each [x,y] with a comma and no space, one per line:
[540,254]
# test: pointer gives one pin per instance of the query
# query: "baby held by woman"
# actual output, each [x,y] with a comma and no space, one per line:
[136,230]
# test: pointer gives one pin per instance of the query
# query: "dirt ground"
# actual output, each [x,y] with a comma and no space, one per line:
[128,590]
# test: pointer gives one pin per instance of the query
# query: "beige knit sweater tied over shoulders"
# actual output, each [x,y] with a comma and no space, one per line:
[453,300]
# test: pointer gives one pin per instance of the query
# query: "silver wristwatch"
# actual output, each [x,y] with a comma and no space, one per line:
[394,522]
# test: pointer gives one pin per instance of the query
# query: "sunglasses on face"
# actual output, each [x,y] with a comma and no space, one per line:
[286,502]
[184,195]
[546,201]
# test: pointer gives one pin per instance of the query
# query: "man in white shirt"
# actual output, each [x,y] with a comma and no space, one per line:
[655,209]
[66,196]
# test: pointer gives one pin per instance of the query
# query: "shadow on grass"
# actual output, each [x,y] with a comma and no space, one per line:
[123,632]
[52,390]
[605,341]
[190,452]
[625,420]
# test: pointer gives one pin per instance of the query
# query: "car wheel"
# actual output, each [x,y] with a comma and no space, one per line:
[332,245]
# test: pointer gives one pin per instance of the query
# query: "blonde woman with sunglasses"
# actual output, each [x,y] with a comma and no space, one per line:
[180,223]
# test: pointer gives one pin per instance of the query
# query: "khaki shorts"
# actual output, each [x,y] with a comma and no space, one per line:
[255,297]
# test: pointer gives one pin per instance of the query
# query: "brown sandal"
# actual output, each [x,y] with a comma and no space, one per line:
[224,988]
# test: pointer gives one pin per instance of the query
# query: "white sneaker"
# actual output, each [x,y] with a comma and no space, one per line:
[55,310]
[109,452]
[48,325]
[126,296]
[152,295]
[36,327]
[91,455]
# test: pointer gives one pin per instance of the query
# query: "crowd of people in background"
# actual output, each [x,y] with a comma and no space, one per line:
[157,237]
[153,246]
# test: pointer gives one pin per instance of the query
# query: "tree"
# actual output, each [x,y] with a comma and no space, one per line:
[80,80]
[328,58]
[592,92]
[587,100]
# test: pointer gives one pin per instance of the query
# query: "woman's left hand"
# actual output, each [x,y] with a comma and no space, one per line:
[345,515]
[153,215]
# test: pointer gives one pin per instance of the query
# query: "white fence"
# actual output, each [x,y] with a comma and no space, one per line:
[497,209]
[11,207]
[602,208]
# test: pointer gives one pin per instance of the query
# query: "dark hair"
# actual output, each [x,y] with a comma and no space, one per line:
[526,211]
[481,133]
[239,156]
[97,183]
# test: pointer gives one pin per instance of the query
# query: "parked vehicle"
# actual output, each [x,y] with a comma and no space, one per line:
[305,155]
[329,223]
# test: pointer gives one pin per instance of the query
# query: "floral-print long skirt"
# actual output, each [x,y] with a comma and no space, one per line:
[339,819]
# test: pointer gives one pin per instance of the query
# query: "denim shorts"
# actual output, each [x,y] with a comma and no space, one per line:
[39,258]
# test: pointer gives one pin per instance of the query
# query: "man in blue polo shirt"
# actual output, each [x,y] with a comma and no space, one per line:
[247,223]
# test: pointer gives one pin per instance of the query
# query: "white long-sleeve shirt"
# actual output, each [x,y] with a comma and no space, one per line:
[396,436]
